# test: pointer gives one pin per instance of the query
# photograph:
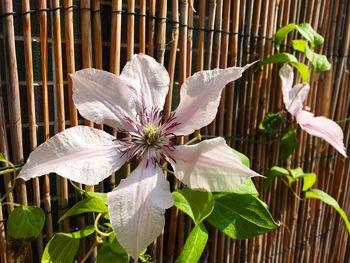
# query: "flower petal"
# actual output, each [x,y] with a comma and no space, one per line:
[137,206]
[324,128]
[200,98]
[293,98]
[102,97]
[210,165]
[82,154]
[150,79]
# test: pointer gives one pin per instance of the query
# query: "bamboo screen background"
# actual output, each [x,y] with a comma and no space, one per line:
[42,41]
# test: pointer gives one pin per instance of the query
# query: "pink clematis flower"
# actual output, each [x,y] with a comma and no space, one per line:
[293,98]
[132,103]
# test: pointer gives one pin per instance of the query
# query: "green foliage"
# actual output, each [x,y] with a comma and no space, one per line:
[112,251]
[90,204]
[244,159]
[273,173]
[304,29]
[241,216]
[309,179]
[326,198]
[2,157]
[271,123]
[101,196]
[194,245]
[25,222]
[196,204]
[289,142]
[287,58]
[60,249]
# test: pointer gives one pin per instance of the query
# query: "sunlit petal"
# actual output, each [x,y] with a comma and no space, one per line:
[81,153]
[293,97]
[136,208]
[102,97]
[150,79]
[324,128]
[209,165]
[200,97]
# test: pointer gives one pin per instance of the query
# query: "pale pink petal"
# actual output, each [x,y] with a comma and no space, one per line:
[150,79]
[293,98]
[209,165]
[324,128]
[200,97]
[102,97]
[137,206]
[82,154]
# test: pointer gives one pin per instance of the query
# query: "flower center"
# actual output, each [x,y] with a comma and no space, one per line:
[150,131]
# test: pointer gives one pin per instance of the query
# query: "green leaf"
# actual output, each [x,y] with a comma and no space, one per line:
[289,142]
[274,172]
[287,58]
[2,158]
[98,195]
[309,179]
[90,204]
[283,32]
[296,173]
[194,245]
[60,249]
[324,197]
[197,204]
[247,187]
[25,222]
[271,123]
[241,216]
[310,34]
[244,158]
[299,45]
[319,61]
[112,251]
[84,232]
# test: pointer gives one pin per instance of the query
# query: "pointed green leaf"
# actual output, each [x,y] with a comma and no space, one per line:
[309,179]
[283,32]
[271,123]
[289,142]
[241,216]
[86,205]
[324,197]
[310,34]
[25,222]
[303,70]
[296,173]
[244,158]
[194,245]
[111,251]
[197,204]
[60,249]
[2,157]
[84,232]
[98,195]
[247,187]
[274,172]
[299,45]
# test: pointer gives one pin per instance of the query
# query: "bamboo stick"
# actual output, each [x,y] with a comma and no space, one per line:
[151,27]
[130,29]
[161,36]
[142,27]
[56,35]
[114,65]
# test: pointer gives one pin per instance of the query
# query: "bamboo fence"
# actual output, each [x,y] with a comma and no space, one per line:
[41,42]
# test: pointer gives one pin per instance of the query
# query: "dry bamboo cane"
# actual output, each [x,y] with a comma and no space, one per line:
[86,44]
[31,101]
[142,27]
[56,35]
[2,238]
[189,41]
[211,22]
[200,47]
[167,110]
[161,36]
[114,65]
[97,41]
[151,27]
[45,109]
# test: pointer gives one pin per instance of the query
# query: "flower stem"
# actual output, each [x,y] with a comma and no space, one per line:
[91,250]
[195,139]
[98,231]
[10,203]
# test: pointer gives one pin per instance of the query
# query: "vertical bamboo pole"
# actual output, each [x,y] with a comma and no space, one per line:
[211,23]
[161,32]
[13,94]
[200,47]
[189,40]
[151,27]
[27,35]
[70,57]
[142,27]
[130,29]
[45,109]
[114,65]
[56,35]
